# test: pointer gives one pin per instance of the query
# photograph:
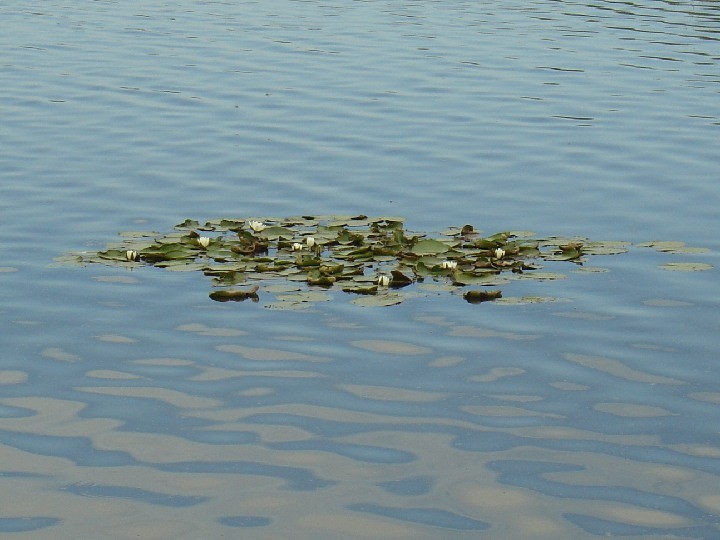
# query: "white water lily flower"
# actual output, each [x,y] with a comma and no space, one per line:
[310,241]
[499,253]
[383,281]
[204,241]
[297,246]
[131,255]
[256,226]
[450,265]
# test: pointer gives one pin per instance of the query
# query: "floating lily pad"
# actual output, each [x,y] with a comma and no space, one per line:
[662,245]
[387,299]
[521,234]
[69,259]
[181,266]
[515,300]
[430,247]
[288,306]
[304,296]
[273,233]
[279,288]
[673,247]
[591,270]
[691,250]
[686,266]
[226,295]
[541,276]
[605,248]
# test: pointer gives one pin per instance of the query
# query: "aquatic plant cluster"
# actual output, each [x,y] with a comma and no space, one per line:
[370,257]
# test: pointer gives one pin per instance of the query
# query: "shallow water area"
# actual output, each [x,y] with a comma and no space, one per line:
[132,405]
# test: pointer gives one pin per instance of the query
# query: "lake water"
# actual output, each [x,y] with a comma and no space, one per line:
[133,406]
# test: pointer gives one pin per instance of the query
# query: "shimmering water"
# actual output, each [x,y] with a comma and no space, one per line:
[133,406]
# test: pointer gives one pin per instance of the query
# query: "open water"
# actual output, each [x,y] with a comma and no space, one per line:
[133,406]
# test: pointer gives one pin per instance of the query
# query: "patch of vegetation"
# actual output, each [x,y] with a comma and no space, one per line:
[371,258]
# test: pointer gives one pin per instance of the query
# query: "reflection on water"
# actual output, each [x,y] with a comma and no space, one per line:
[544,110]
[426,420]
[131,406]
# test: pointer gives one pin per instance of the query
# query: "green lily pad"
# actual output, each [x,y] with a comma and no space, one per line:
[673,247]
[69,259]
[437,287]
[304,296]
[187,224]
[541,276]
[463,278]
[288,306]
[429,247]
[605,248]
[113,255]
[686,266]
[273,233]
[138,234]
[379,300]
[181,266]
[522,300]
[590,270]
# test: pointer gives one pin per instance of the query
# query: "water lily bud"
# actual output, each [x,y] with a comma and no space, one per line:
[383,281]
[499,253]
[204,241]
[131,255]
[310,241]
[256,226]
[450,265]
[296,246]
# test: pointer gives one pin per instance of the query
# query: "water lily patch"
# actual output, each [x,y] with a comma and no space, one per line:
[375,260]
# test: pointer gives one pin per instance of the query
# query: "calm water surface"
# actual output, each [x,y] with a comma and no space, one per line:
[133,406]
